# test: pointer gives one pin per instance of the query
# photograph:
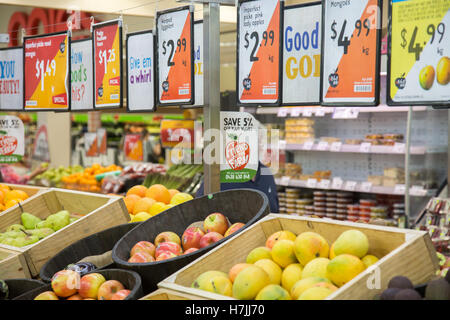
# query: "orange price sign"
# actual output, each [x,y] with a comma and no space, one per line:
[133,147]
[107,37]
[175,46]
[259,41]
[47,72]
[350,52]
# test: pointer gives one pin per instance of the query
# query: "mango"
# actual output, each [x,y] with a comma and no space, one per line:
[352,242]
[344,268]
[310,245]
[258,254]
[300,286]
[279,235]
[316,268]
[273,270]
[332,255]
[273,292]
[283,253]
[249,282]
[443,71]
[315,293]
[369,260]
[218,284]
[234,271]
[203,278]
[426,77]
[291,274]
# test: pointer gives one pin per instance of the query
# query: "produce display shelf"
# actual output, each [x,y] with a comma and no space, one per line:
[353,186]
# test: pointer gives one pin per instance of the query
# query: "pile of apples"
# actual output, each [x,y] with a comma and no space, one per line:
[198,235]
[68,285]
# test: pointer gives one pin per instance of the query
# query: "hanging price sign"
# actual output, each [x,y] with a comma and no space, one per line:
[108,64]
[198,63]
[82,77]
[175,34]
[259,52]
[11,79]
[140,72]
[419,52]
[301,54]
[47,72]
[133,148]
[350,52]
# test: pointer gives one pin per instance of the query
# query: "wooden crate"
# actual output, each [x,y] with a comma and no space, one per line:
[98,212]
[401,252]
[166,294]
[13,265]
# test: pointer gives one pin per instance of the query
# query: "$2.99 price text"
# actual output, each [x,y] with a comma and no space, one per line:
[181,45]
[268,38]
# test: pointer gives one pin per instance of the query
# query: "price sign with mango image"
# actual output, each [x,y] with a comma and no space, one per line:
[350,52]
[419,60]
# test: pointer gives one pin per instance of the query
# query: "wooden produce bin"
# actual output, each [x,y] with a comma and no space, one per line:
[166,294]
[98,212]
[401,251]
[13,265]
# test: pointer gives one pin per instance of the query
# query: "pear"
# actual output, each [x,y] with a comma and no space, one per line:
[58,220]
[42,232]
[29,221]
[41,225]
[14,234]
[8,241]
[15,227]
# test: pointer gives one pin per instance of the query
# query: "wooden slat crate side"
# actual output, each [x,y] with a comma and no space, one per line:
[13,265]
[109,215]
[166,294]
[381,240]
[412,260]
[80,203]
[37,205]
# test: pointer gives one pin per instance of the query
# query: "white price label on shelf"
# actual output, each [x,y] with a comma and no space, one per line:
[337,183]
[366,186]
[311,183]
[282,112]
[322,146]
[307,112]
[308,145]
[417,191]
[399,148]
[345,113]
[336,146]
[285,180]
[350,185]
[282,145]
[320,112]
[295,112]
[399,189]
[324,184]
[365,147]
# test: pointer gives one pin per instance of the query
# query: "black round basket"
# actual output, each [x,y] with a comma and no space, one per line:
[18,287]
[239,205]
[130,279]
[95,244]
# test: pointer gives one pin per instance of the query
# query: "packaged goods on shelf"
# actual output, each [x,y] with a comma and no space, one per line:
[299,130]
[330,140]
[353,141]
[375,180]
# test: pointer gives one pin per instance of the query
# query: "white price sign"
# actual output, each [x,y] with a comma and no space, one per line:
[399,147]
[366,186]
[301,54]
[140,72]
[350,37]
[295,112]
[308,145]
[175,34]
[322,146]
[283,112]
[259,51]
[198,63]
[324,184]
[345,113]
[285,181]
[337,183]
[11,88]
[307,112]
[365,147]
[350,185]
[336,146]
[311,183]
[82,75]
[320,112]
[399,189]
[417,191]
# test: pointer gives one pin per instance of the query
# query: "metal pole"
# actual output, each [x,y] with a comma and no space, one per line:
[407,173]
[211,109]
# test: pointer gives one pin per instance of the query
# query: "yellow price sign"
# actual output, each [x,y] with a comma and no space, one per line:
[419,55]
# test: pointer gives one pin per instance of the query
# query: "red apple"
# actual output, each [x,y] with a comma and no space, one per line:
[190,250]
[141,257]
[191,238]
[164,255]
[215,222]
[89,285]
[167,236]
[233,228]
[75,297]
[65,283]
[169,246]
[209,238]
[143,246]
[120,295]
[108,289]
[47,295]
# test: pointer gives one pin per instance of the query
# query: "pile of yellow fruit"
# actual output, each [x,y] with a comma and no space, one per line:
[143,203]
[9,197]
[291,267]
